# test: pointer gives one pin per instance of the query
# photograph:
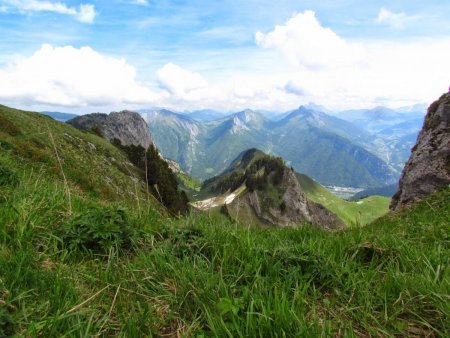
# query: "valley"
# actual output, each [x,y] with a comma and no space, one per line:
[333,151]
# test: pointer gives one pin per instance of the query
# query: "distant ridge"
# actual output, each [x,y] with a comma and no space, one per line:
[329,149]
[62,117]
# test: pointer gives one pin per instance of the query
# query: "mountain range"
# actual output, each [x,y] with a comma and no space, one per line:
[364,148]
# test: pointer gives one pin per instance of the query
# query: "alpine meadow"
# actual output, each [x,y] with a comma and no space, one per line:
[224,169]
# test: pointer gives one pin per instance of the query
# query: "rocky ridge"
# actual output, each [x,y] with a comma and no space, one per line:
[127,126]
[258,189]
[428,168]
[293,210]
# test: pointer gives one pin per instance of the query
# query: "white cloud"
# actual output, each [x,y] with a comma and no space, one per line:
[190,90]
[324,68]
[304,41]
[72,77]
[396,20]
[340,73]
[85,12]
[179,81]
[83,78]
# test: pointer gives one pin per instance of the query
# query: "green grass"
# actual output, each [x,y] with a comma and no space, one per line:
[89,163]
[138,273]
[352,213]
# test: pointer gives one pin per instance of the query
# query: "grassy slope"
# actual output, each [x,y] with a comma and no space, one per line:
[91,165]
[204,275]
[351,212]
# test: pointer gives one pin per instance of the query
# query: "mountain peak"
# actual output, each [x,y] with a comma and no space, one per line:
[253,182]
[304,113]
[245,120]
[127,126]
[248,115]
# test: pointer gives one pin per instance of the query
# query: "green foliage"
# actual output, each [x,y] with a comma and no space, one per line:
[263,169]
[135,153]
[253,171]
[163,183]
[32,150]
[97,230]
[230,181]
[89,163]
[8,177]
[97,130]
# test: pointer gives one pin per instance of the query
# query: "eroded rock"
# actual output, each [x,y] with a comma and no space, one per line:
[428,168]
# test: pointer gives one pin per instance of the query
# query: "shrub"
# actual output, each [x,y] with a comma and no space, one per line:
[8,177]
[97,230]
[230,181]
[135,153]
[163,183]
[97,131]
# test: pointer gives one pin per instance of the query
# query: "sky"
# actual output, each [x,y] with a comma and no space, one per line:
[105,55]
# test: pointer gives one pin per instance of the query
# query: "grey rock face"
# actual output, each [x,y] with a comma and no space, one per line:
[428,168]
[129,127]
[296,208]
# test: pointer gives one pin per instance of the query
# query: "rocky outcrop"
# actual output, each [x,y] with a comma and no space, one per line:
[428,168]
[129,127]
[286,206]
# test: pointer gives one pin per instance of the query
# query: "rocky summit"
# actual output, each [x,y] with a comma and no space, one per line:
[258,189]
[290,209]
[428,168]
[127,126]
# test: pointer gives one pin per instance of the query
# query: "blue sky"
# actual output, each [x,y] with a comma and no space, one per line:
[227,55]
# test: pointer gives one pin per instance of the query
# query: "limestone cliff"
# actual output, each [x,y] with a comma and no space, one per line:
[129,127]
[428,168]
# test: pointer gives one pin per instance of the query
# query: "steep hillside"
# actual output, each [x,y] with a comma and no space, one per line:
[87,164]
[326,148]
[227,138]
